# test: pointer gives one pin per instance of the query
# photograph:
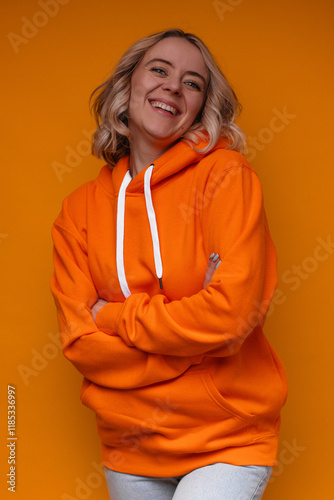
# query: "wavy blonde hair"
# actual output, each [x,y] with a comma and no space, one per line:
[110,104]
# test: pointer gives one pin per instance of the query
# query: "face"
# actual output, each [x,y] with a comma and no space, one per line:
[168,90]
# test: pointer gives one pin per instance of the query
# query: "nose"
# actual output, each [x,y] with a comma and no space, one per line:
[173,85]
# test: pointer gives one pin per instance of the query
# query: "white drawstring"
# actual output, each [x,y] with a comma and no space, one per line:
[120,229]
[120,235]
[153,223]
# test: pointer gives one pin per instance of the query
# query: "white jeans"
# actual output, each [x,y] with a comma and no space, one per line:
[213,482]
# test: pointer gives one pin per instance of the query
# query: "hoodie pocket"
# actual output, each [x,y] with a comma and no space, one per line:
[184,415]
[220,401]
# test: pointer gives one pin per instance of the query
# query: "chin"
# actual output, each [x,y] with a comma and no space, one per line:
[164,136]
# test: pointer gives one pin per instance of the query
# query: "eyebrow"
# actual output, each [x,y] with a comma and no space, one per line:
[193,73]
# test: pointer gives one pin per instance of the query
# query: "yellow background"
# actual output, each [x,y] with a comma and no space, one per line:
[278,57]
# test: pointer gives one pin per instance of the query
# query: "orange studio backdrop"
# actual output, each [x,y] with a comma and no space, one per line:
[278,57]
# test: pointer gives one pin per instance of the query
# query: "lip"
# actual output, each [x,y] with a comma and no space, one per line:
[169,103]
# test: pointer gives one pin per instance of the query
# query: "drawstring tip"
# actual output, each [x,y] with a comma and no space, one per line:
[160,282]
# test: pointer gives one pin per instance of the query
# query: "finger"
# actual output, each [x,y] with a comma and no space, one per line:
[215,258]
[210,266]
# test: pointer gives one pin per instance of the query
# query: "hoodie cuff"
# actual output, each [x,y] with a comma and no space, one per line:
[107,317]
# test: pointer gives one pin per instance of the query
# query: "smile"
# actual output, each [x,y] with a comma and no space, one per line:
[165,107]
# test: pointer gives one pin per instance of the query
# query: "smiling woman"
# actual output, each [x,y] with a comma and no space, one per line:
[164,273]
[167,95]
[219,108]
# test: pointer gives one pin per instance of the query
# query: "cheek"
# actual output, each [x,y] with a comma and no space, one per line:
[140,88]
[136,96]
[195,107]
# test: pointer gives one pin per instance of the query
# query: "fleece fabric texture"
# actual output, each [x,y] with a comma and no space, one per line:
[180,376]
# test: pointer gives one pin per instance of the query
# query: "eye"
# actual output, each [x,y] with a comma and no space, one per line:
[159,71]
[194,85]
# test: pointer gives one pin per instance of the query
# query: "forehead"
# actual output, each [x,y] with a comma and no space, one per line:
[179,52]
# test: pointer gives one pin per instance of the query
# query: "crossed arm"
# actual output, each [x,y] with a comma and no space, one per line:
[213,263]
[119,345]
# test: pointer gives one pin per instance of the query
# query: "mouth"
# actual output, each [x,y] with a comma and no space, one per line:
[165,107]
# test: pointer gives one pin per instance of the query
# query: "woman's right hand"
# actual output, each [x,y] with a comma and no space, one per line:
[213,263]
[97,306]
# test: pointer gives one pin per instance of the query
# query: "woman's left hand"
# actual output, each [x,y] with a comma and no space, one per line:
[97,306]
[213,263]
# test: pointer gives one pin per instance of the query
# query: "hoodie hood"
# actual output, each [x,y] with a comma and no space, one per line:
[175,159]
[180,156]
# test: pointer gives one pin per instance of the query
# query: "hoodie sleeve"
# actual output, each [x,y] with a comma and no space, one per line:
[218,319]
[102,358]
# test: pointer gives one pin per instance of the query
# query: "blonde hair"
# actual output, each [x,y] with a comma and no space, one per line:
[111,98]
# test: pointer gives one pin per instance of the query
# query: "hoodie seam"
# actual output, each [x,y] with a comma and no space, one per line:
[224,172]
[118,319]
[81,241]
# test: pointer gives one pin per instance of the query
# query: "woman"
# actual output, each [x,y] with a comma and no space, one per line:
[164,272]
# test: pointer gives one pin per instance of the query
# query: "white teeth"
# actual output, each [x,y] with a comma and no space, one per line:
[162,105]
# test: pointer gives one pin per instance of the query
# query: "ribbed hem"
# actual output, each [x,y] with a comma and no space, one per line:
[163,465]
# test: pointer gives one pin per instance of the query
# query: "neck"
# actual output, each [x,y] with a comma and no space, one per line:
[142,154]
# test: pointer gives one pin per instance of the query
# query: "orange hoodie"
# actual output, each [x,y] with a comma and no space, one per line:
[180,376]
